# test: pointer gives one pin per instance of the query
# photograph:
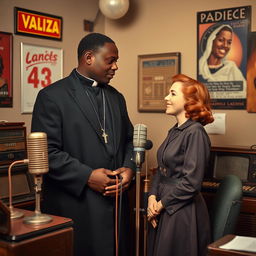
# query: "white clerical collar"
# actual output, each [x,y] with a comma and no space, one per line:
[95,83]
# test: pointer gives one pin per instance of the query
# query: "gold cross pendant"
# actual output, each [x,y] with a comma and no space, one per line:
[105,136]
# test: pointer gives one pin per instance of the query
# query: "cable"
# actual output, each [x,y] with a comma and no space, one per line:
[120,206]
[118,215]
[116,218]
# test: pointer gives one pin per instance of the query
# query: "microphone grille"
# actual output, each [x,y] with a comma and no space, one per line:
[37,153]
[140,135]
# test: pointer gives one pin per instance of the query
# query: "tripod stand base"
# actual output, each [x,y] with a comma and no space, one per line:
[37,219]
[16,214]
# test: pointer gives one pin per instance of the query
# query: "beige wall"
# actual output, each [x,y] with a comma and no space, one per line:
[73,13]
[149,27]
[170,26]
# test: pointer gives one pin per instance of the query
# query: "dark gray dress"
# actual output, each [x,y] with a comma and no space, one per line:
[183,225]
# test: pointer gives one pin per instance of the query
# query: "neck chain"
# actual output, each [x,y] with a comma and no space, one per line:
[103,127]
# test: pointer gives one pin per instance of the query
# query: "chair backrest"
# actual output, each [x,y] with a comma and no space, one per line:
[226,207]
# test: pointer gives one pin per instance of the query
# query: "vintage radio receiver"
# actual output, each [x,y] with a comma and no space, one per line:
[22,184]
[12,142]
[240,161]
[13,147]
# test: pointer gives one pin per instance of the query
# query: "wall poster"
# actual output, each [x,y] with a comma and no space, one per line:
[40,67]
[222,55]
[6,70]
[251,74]
[154,79]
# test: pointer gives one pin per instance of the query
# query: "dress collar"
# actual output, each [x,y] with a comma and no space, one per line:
[184,125]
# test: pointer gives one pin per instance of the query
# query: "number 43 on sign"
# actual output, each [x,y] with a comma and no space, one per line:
[41,66]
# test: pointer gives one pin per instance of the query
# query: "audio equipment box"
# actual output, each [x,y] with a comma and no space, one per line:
[239,161]
[13,147]
[12,142]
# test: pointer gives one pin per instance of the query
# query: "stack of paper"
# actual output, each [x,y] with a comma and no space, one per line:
[241,243]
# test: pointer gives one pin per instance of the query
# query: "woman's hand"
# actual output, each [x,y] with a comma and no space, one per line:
[153,222]
[152,207]
[159,207]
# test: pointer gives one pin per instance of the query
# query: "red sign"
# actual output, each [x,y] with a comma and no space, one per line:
[38,24]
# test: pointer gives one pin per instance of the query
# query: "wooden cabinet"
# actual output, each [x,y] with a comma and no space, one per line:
[54,238]
[239,161]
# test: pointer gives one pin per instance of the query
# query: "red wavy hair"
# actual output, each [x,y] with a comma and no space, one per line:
[197,98]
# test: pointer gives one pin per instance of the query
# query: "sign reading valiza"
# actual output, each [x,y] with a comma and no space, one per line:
[37,24]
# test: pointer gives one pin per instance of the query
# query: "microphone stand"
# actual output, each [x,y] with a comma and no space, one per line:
[38,218]
[139,142]
[137,213]
[139,159]
[14,214]
[146,190]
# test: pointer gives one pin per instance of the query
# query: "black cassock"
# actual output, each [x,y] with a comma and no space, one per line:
[183,226]
[76,147]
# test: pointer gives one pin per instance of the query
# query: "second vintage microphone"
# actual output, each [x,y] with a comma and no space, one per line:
[139,142]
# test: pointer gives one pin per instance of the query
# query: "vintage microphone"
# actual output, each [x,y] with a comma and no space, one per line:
[139,142]
[38,165]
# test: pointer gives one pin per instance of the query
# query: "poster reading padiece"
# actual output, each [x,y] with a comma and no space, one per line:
[251,74]
[40,67]
[5,69]
[222,55]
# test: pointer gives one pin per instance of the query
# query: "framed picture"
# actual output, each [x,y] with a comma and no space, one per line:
[222,41]
[155,76]
[40,67]
[6,86]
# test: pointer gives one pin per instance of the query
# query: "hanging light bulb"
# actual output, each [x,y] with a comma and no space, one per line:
[114,9]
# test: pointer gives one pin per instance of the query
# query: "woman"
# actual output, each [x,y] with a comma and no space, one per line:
[216,44]
[176,208]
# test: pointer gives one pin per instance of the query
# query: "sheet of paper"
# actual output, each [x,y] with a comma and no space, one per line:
[218,126]
[241,243]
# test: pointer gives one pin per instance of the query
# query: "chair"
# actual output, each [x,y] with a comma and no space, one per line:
[226,207]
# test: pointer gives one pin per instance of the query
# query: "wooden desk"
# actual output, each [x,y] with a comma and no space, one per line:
[214,250]
[51,239]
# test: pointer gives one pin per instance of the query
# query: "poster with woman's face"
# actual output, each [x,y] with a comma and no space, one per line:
[5,69]
[251,74]
[222,55]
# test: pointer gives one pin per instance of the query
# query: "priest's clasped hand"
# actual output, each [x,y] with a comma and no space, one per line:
[125,176]
[103,180]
